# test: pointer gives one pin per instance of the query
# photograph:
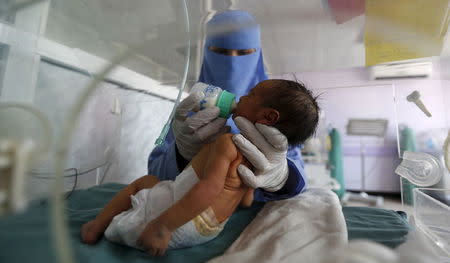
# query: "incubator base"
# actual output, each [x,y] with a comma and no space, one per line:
[431,214]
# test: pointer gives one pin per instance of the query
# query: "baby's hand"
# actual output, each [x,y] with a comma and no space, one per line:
[90,232]
[155,238]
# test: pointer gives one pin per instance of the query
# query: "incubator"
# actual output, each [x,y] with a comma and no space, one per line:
[87,87]
[422,113]
[81,81]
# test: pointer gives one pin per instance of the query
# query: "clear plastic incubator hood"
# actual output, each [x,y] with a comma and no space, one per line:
[85,89]
[422,112]
[88,86]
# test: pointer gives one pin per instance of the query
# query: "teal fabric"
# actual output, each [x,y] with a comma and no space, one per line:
[383,226]
[335,160]
[407,143]
[26,237]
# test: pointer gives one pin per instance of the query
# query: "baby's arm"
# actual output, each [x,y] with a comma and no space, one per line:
[92,230]
[156,235]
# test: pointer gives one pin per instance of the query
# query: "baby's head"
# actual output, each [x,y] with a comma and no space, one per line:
[286,105]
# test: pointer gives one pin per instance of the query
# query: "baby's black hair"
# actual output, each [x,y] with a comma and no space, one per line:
[299,111]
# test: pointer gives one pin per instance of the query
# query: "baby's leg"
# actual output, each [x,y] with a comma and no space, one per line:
[92,230]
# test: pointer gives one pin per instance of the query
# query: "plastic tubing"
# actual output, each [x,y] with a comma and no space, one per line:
[162,136]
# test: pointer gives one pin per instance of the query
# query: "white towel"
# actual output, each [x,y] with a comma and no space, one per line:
[300,229]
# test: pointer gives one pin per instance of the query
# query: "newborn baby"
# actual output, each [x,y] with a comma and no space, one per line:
[155,215]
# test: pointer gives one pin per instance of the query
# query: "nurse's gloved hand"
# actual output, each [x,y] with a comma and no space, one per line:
[265,148]
[191,133]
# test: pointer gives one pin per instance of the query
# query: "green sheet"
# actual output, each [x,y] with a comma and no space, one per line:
[383,226]
[26,237]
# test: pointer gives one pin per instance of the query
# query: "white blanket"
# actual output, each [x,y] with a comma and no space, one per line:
[300,229]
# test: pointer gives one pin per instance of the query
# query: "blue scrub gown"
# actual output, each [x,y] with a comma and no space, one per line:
[238,75]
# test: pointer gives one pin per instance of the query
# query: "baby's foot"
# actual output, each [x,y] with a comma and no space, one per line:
[91,232]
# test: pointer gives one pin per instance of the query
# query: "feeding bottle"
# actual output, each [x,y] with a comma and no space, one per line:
[215,97]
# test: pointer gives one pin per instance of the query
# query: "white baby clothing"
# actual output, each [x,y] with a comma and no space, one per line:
[148,204]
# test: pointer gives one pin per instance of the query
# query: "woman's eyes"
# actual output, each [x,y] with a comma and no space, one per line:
[232,52]
[243,52]
[222,51]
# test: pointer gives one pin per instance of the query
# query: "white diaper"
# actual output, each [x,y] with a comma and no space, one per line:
[148,204]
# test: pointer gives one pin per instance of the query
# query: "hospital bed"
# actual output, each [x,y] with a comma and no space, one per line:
[26,237]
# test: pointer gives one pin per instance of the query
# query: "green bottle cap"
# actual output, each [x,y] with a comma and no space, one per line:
[226,103]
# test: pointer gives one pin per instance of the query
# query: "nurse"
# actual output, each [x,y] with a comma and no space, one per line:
[232,61]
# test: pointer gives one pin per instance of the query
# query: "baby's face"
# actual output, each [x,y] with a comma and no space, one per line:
[250,106]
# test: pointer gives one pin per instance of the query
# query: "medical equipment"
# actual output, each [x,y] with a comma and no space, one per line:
[431,205]
[24,140]
[365,127]
[312,150]
[446,150]
[15,158]
[215,97]
[23,45]
[424,165]
[422,151]
[415,98]
[419,168]
[431,214]
[316,148]
[322,154]
[335,162]
[166,127]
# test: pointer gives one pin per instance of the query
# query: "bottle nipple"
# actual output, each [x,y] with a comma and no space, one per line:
[233,106]
[226,103]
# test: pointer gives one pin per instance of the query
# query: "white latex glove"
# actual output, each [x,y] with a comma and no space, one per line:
[265,148]
[191,133]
